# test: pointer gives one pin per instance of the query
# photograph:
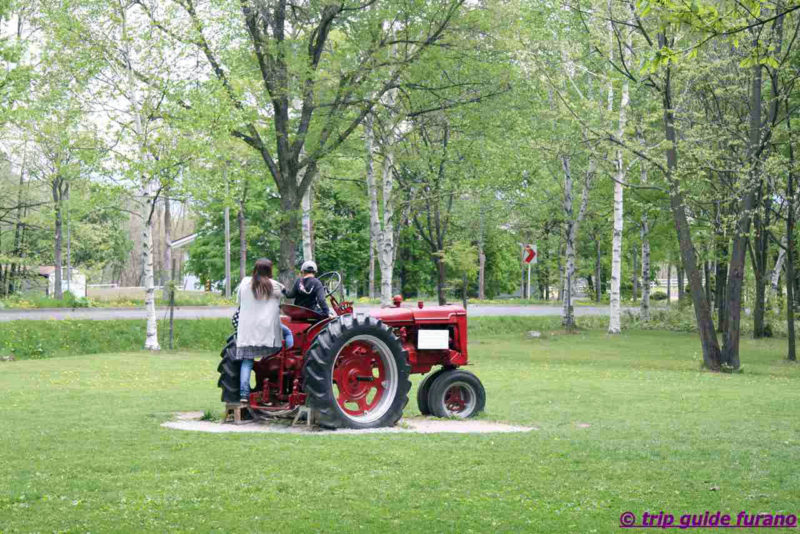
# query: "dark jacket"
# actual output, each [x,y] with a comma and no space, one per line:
[309,293]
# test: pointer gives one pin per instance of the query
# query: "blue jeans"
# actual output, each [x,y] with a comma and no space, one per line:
[244,378]
[288,338]
[247,364]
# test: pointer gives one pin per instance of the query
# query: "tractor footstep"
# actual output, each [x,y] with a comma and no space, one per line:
[304,412]
[238,414]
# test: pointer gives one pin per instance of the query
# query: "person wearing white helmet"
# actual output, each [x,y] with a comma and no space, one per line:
[307,291]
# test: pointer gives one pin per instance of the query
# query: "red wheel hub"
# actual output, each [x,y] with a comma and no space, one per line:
[454,399]
[358,371]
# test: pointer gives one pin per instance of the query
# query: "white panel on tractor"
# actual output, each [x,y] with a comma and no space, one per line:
[433,339]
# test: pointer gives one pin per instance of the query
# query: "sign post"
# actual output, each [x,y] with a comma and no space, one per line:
[528,286]
[529,254]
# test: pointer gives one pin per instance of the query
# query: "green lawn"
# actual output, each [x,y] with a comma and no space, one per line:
[81,448]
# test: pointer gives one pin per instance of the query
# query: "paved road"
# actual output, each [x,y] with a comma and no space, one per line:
[208,312]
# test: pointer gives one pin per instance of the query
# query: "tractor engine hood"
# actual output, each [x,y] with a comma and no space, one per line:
[433,314]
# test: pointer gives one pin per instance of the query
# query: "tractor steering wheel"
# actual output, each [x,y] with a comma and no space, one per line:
[331,281]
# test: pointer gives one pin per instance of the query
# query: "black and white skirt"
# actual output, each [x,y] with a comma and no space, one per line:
[251,353]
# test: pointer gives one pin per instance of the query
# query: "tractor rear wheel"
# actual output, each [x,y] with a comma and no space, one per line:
[423,389]
[456,393]
[229,369]
[356,374]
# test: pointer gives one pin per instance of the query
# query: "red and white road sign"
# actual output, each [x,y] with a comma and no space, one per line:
[529,254]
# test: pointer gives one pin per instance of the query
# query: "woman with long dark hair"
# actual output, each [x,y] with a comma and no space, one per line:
[259,332]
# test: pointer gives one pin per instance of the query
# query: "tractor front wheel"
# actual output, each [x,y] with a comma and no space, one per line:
[356,374]
[423,389]
[456,393]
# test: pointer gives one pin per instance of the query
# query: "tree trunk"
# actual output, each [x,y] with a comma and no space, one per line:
[227,217]
[775,276]
[616,256]
[644,235]
[481,254]
[791,355]
[381,230]
[730,349]
[171,287]
[546,285]
[573,222]
[760,329]
[289,229]
[481,273]
[598,290]
[308,235]
[681,285]
[386,235]
[166,263]
[560,294]
[543,277]
[616,236]
[69,242]
[151,339]
[644,310]
[760,255]
[57,242]
[371,288]
[441,279]
[567,314]
[374,224]
[12,272]
[721,283]
[707,276]
[669,284]
[635,275]
[705,325]
[242,241]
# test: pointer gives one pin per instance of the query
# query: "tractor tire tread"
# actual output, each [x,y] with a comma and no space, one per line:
[319,365]
[228,370]
[441,383]
[423,389]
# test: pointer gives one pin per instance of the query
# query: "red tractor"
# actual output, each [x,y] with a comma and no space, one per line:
[352,370]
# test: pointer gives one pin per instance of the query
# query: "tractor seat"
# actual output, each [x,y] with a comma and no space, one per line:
[300,314]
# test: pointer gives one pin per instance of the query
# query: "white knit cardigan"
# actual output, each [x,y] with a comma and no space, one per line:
[259,319]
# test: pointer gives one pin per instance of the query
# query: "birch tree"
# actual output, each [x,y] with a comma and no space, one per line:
[775,275]
[372,192]
[382,225]
[140,130]
[619,178]
[572,222]
[308,240]
[147,153]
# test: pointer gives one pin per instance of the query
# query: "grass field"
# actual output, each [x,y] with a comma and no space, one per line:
[624,424]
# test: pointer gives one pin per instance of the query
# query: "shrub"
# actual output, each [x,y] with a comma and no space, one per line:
[71,301]
[45,339]
[658,295]
[32,300]
[675,319]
